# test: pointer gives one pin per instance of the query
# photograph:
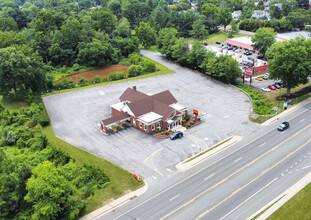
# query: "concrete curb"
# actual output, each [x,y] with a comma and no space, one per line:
[116,203]
[286,112]
[285,196]
[182,166]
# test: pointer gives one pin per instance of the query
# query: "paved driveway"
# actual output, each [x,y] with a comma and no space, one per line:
[75,118]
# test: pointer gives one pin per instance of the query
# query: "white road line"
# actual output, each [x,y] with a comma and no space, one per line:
[206,178]
[302,120]
[306,167]
[193,174]
[262,144]
[249,198]
[237,159]
[171,199]
[168,170]
[154,177]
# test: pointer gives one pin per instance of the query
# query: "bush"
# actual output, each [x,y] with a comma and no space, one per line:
[96,79]
[112,77]
[65,84]
[75,67]
[167,133]
[135,70]
[82,82]
[184,121]
[149,67]
[162,133]
[136,59]
[187,117]
[125,63]
[105,79]
[121,75]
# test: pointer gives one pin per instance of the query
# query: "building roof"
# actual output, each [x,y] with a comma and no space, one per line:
[150,117]
[132,95]
[165,97]
[115,119]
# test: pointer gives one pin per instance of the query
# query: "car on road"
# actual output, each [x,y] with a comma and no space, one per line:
[177,134]
[278,83]
[247,53]
[265,89]
[260,56]
[258,78]
[271,87]
[283,126]
[230,48]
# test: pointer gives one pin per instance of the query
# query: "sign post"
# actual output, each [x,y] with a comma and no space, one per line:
[196,113]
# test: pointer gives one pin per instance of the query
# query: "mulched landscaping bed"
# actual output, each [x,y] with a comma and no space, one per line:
[192,119]
[159,135]
[102,72]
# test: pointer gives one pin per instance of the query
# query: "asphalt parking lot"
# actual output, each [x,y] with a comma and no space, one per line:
[75,118]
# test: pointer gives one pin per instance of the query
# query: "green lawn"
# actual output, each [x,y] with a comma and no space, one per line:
[150,49]
[13,105]
[213,38]
[120,180]
[163,70]
[298,207]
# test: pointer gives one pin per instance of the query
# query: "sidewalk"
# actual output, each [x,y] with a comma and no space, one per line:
[284,198]
[116,203]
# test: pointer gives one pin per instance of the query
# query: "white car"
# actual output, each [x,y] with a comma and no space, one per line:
[265,89]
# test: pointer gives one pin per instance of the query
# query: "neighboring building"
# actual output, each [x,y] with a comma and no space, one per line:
[146,112]
[259,14]
[236,15]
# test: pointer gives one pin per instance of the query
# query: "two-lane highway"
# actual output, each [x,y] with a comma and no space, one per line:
[234,184]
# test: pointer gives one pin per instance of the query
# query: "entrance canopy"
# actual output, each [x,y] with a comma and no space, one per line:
[115,119]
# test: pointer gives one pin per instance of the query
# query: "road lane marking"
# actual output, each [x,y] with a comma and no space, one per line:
[171,199]
[152,166]
[169,170]
[306,167]
[237,159]
[262,144]
[183,180]
[248,199]
[206,178]
[257,177]
[302,120]
[234,173]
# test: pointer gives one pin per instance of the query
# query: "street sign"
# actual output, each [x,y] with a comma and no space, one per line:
[196,112]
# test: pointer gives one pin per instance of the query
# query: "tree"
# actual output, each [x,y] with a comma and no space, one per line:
[97,53]
[146,34]
[275,12]
[52,196]
[289,61]
[136,12]
[234,29]
[225,17]
[9,38]
[261,5]
[210,11]
[166,40]
[123,29]
[223,67]
[298,18]
[8,24]
[180,50]
[196,55]
[263,39]
[21,72]
[199,32]
[116,7]
[103,20]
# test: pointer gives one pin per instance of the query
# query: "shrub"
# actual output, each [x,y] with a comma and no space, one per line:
[65,84]
[105,79]
[82,82]
[184,121]
[136,58]
[121,75]
[75,67]
[187,117]
[112,77]
[149,67]
[96,79]
[135,70]
[162,133]
[167,133]
[125,63]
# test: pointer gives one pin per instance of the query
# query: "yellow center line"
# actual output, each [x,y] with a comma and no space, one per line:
[239,189]
[234,173]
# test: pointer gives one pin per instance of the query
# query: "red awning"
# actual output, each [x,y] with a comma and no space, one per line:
[239,44]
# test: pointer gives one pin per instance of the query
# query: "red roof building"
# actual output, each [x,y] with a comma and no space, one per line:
[145,112]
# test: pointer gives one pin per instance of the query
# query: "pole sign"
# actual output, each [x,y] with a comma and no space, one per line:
[136,177]
[249,70]
[196,112]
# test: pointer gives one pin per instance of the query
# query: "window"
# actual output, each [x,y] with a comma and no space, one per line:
[158,125]
[145,127]
[140,125]
[152,127]
[134,122]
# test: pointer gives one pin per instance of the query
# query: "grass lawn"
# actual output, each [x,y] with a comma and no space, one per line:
[298,207]
[213,38]
[13,105]
[163,70]
[120,180]
[150,49]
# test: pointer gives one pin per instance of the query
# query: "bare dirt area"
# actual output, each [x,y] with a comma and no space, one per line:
[102,72]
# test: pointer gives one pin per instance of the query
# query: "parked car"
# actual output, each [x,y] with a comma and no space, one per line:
[238,50]
[265,89]
[247,53]
[277,86]
[218,42]
[177,134]
[230,48]
[283,126]
[271,87]
[278,83]
[205,43]
[265,77]
[260,56]
[259,78]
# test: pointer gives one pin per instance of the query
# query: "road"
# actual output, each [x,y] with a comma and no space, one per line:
[235,183]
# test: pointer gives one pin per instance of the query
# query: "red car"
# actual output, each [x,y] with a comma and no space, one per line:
[271,87]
